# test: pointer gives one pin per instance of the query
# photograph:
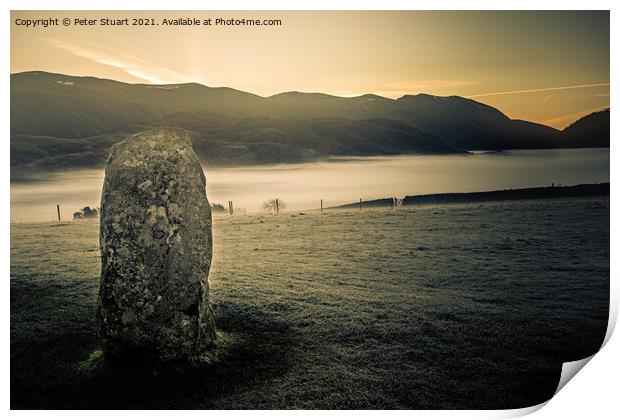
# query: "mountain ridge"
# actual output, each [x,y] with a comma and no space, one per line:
[57,118]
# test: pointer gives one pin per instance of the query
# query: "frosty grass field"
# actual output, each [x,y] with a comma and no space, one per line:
[460,306]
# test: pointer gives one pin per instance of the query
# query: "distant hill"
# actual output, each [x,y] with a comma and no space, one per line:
[581,190]
[593,127]
[66,121]
[538,193]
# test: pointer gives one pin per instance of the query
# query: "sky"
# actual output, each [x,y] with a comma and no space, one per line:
[550,67]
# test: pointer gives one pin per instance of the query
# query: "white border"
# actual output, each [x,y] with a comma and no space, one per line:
[592,394]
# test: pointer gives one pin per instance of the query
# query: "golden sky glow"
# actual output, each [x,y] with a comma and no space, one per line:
[549,67]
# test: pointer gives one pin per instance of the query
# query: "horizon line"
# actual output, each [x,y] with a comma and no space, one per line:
[467,97]
[478,95]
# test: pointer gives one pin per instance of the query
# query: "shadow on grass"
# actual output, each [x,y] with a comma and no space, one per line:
[247,351]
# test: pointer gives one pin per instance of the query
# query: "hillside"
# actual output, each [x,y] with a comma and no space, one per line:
[65,121]
[538,193]
[594,127]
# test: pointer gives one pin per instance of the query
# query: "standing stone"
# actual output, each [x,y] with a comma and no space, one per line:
[156,247]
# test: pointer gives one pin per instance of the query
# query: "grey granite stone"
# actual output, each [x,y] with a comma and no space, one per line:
[156,247]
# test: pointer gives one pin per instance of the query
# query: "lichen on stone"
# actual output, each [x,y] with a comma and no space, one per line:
[156,246]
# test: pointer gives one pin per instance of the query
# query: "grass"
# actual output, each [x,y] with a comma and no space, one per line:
[462,306]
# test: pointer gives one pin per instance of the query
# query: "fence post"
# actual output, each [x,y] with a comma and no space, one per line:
[321,205]
[58,211]
[230,207]
[360,203]
[277,207]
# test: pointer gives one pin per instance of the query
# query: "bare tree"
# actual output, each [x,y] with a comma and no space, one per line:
[274,205]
